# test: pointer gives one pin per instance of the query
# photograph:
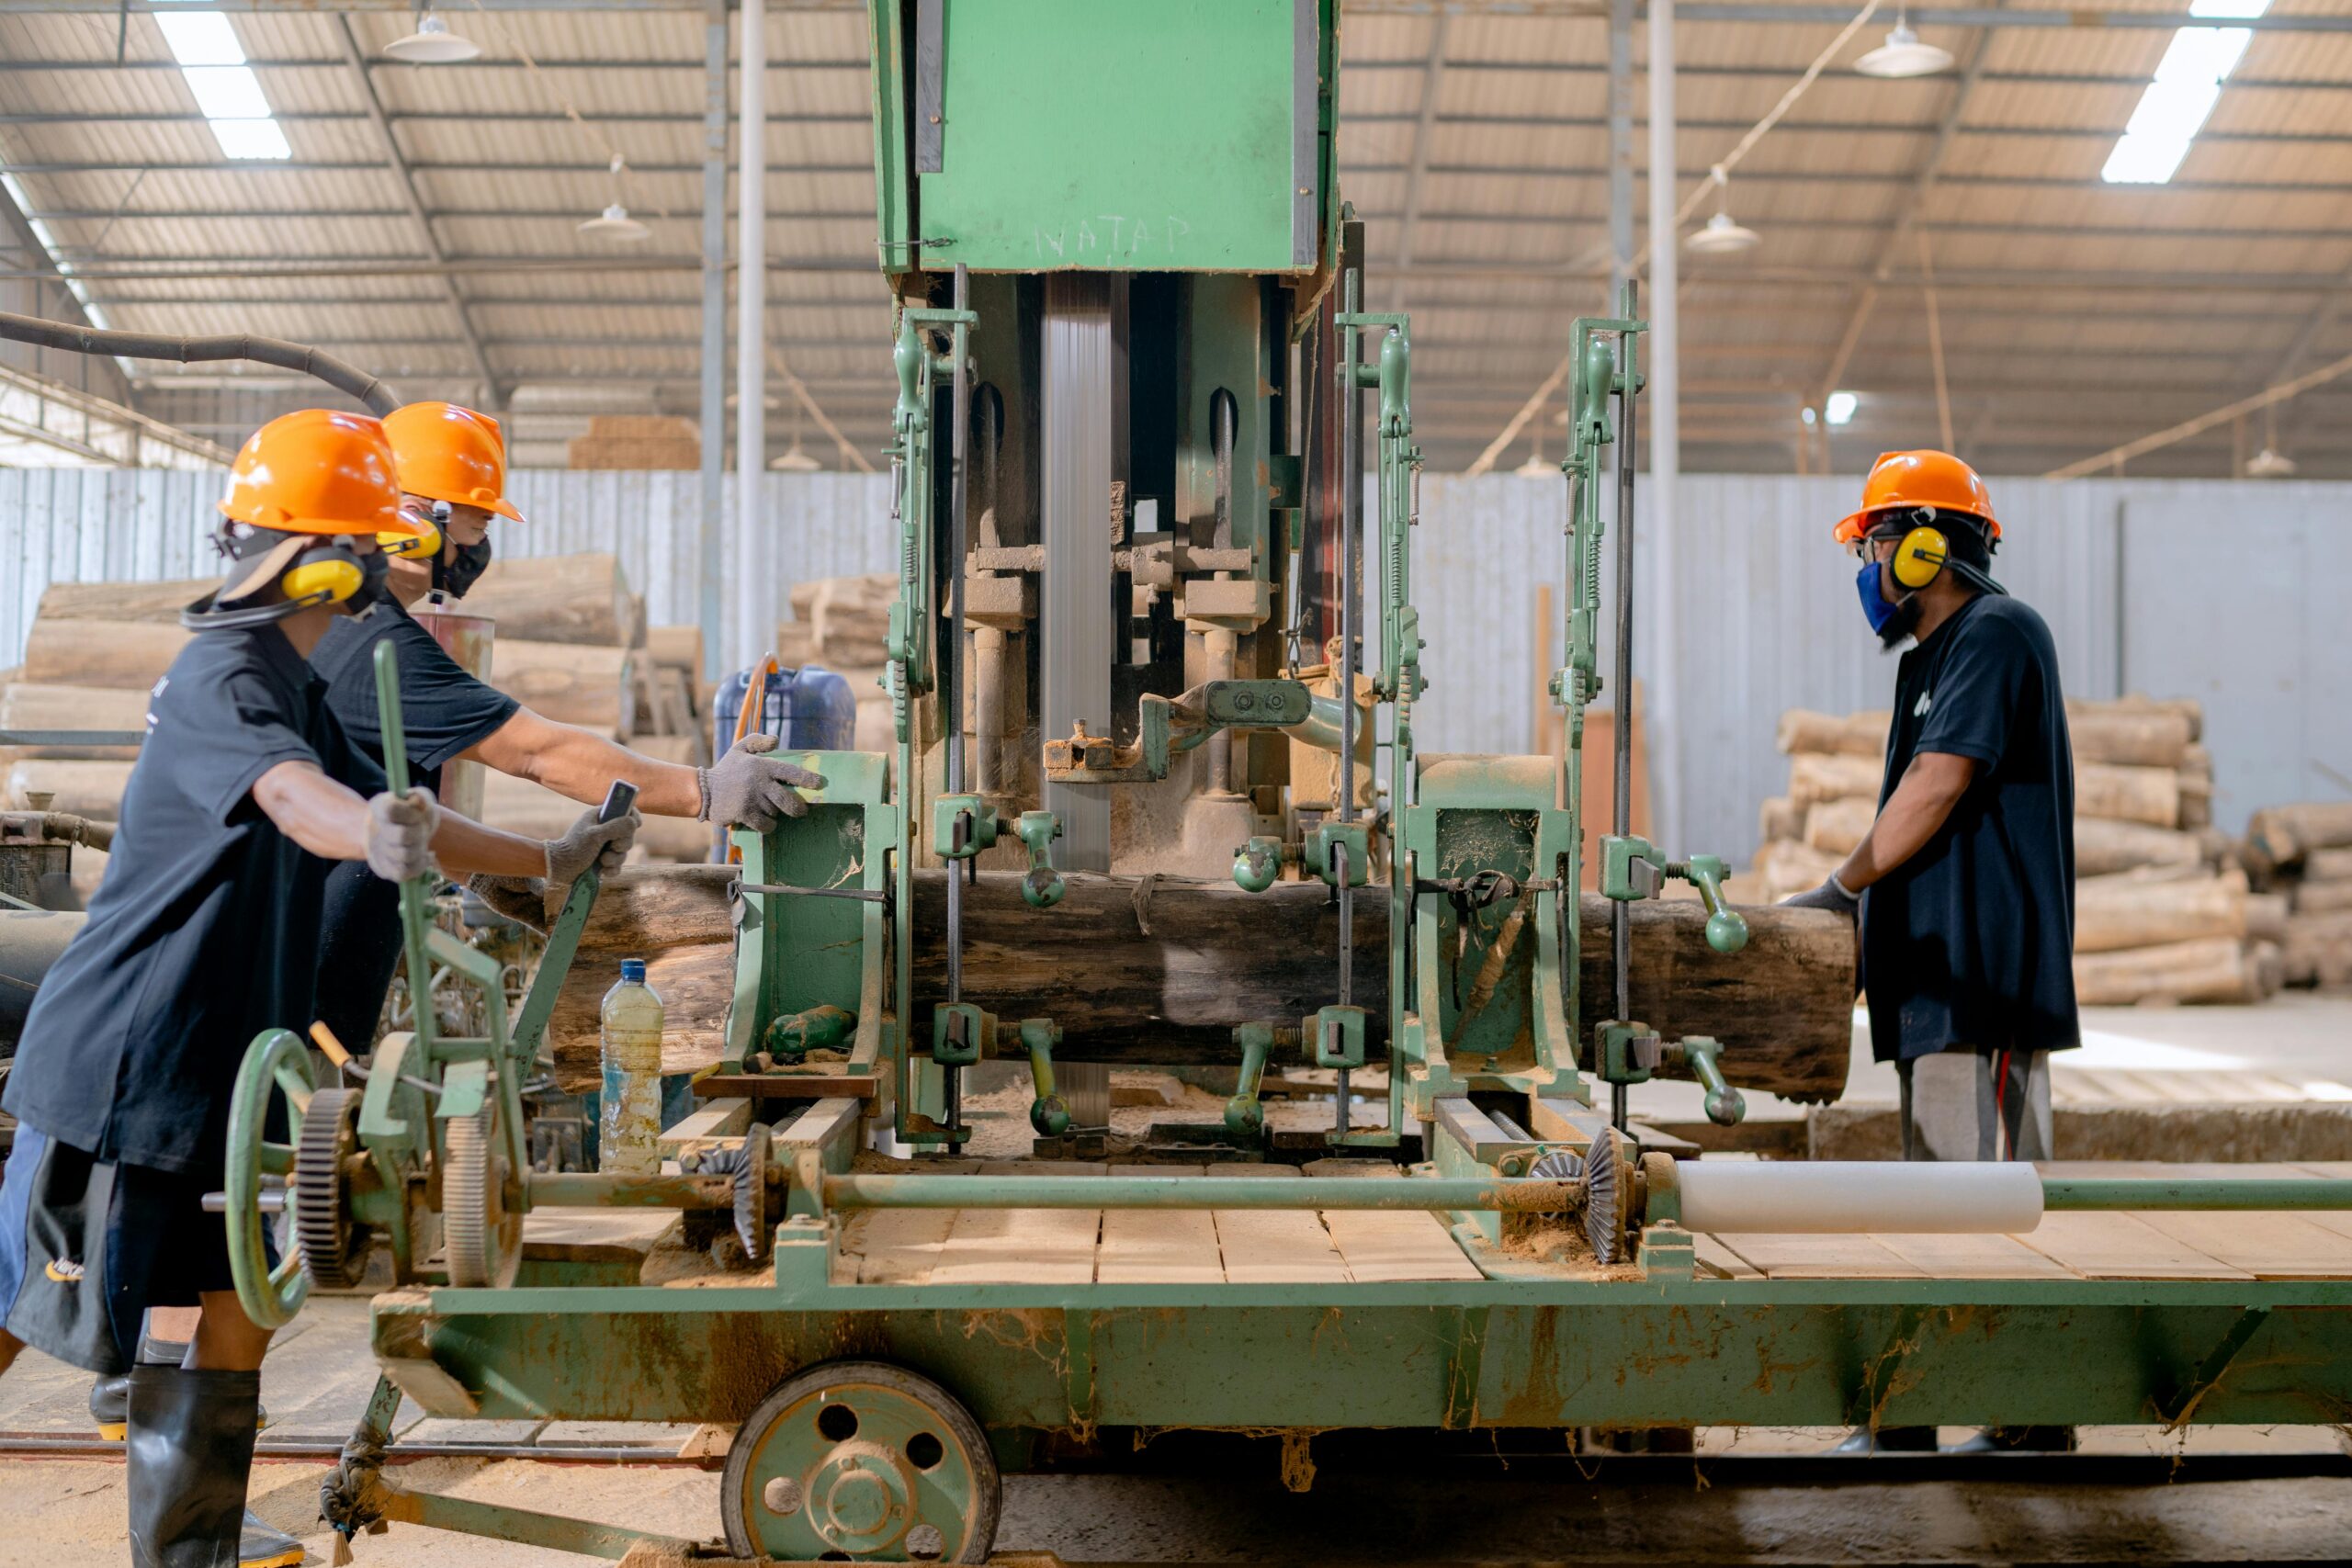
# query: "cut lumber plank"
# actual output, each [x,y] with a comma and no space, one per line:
[1391,1245]
[1821,1257]
[729,1118]
[2267,1246]
[1142,1247]
[1974,1257]
[1266,1246]
[898,1247]
[120,654]
[579,599]
[1019,1246]
[2122,1246]
[1719,1259]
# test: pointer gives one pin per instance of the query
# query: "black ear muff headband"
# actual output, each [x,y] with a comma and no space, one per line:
[325,572]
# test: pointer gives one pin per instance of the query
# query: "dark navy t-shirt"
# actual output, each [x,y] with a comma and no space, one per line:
[204,930]
[445,712]
[1970,944]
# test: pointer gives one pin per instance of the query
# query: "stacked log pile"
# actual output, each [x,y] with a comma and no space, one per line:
[2163,913]
[843,625]
[2301,856]
[569,644]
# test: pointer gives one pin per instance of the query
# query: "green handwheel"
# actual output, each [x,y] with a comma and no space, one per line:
[275,1060]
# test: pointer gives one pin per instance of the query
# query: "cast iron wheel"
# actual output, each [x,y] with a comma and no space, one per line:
[482,1237]
[334,1246]
[859,1462]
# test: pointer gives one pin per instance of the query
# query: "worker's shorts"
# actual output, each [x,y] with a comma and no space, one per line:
[86,1247]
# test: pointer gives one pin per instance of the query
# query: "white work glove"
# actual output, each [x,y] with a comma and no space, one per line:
[400,834]
[601,844]
[748,788]
[1831,895]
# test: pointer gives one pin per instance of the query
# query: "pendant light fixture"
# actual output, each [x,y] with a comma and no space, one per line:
[1904,54]
[432,44]
[613,222]
[1720,236]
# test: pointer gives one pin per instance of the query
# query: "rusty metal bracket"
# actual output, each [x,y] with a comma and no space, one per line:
[2182,1405]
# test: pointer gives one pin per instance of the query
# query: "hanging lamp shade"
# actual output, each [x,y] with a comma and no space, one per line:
[1904,54]
[432,44]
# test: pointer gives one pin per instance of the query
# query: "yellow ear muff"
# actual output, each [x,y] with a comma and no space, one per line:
[336,574]
[1920,557]
[424,545]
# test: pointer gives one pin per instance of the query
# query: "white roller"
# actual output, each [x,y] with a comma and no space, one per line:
[1829,1197]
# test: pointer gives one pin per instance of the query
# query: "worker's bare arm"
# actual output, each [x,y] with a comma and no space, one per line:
[463,847]
[1923,799]
[325,817]
[582,764]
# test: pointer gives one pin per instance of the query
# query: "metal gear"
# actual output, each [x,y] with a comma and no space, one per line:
[754,1226]
[482,1241]
[334,1248]
[1604,1223]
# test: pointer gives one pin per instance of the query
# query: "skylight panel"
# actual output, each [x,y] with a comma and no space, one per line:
[2176,103]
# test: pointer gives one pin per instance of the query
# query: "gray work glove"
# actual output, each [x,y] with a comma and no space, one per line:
[601,844]
[748,788]
[400,834]
[1831,896]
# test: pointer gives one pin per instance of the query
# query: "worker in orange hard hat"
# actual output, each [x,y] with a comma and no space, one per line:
[452,469]
[1964,884]
[204,934]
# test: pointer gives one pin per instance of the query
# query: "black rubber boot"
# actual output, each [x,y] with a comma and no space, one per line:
[1889,1440]
[188,1456]
[110,1397]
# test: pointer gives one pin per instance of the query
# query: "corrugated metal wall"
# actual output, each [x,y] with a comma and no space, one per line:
[1767,617]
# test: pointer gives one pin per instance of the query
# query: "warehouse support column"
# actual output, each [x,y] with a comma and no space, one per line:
[754,591]
[1621,152]
[710,533]
[1660,669]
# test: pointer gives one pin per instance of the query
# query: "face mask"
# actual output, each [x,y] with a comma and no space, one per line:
[456,570]
[1892,622]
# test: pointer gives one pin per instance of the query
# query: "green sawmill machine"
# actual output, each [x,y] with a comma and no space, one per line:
[1156,798]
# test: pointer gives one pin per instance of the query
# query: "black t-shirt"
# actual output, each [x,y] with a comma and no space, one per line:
[445,711]
[1970,944]
[204,930]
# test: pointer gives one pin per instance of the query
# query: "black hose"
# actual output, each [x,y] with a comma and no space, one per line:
[378,395]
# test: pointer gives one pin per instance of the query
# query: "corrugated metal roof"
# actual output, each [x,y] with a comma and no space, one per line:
[2195,288]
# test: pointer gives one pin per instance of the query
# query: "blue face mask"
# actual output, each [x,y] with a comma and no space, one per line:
[1874,605]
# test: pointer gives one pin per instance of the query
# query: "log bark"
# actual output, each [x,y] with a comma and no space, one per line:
[567,682]
[2126,794]
[1216,957]
[2213,969]
[2111,915]
[123,655]
[2278,837]
[1853,735]
[2327,865]
[2266,969]
[676,647]
[2102,847]
[1835,827]
[2313,897]
[576,599]
[1779,817]
[2156,738]
[2187,709]
[24,705]
[1782,867]
[2265,918]
[1818,775]
[152,601]
[638,907]
[83,789]
[2318,949]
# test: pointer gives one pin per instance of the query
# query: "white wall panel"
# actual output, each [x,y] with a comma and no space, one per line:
[2233,592]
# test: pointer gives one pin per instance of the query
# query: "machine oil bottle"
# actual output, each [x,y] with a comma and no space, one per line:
[630,1126]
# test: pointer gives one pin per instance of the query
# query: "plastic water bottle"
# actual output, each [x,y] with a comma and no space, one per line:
[630,1126]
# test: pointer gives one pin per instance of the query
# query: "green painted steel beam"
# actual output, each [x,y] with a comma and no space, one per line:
[1407,1192]
[2191,1192]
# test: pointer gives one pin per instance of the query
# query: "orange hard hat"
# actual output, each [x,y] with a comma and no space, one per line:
[451,454]
[317,471]
[1901,480]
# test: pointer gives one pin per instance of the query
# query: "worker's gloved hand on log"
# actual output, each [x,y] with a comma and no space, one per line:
[590,843]
[399,834]
[748,788]
[1831,895]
